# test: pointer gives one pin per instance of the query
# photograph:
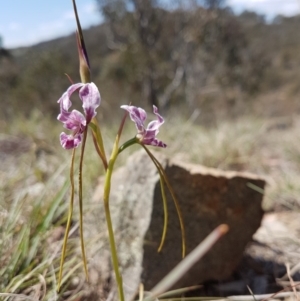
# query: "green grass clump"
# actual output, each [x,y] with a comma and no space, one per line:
[28,261]
[33,207]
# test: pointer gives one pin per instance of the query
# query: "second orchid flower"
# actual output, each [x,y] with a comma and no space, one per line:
[147,135]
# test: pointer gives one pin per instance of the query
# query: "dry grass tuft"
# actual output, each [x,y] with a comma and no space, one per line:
[34,185]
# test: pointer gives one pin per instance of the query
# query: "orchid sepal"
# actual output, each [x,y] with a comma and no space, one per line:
[75,121]
[146,136]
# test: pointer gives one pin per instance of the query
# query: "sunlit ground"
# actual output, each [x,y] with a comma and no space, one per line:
[34,183]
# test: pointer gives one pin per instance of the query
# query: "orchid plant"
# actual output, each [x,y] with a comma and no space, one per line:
[78,124]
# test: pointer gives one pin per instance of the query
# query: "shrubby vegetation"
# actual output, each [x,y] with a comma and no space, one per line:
[187,56]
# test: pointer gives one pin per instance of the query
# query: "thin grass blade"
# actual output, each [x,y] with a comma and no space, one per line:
[70,214]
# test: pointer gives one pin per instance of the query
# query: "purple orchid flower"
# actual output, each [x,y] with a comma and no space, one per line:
[146,135]
[75,121]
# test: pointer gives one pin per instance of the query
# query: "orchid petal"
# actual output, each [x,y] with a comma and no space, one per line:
[155,124]
[137,115]
[158,143]
[63,116]
[91,99]
[69,141]
[159,117]
[150,139]
[75,122]
[73,88]
[65,102]
[146,136]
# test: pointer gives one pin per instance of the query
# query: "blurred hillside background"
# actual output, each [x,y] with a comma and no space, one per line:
[187,55]
[228,85]
[228,82]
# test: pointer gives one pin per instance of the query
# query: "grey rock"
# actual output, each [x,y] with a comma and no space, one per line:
[278,239]
[207,197]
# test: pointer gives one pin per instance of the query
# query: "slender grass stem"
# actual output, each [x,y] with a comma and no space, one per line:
[81,206]
[62,259]
[162,172]
[165,206]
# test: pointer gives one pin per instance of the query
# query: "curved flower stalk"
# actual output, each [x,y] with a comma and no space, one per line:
[164,179]
[147,136]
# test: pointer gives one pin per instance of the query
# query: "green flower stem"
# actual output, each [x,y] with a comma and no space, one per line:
[112,243]
[127,144]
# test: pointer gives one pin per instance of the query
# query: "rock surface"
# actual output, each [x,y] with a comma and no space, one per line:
[207,198]
[278,238]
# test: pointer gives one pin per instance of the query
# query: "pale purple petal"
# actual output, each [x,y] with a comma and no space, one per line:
[149,135]
[150,139]
[65,102]
[158,143]
[159,117]
[91,99]
[75,122]
[63,116]
[137,115]
[155,124]
[69,141]
[146,136]
[73,88]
